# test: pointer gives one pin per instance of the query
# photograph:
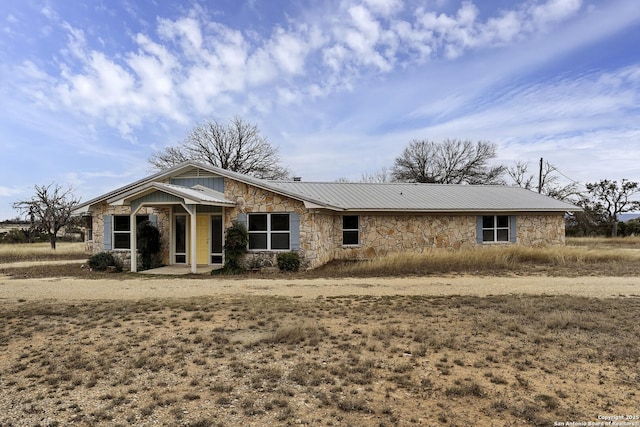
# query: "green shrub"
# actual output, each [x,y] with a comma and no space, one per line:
[103,260]
[235,246]
[288,261]
[149,245]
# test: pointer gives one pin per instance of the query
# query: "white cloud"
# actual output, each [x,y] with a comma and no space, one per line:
[197,65]
[288,51]
[554,11]
[384,8]
[9,191]
[186,31]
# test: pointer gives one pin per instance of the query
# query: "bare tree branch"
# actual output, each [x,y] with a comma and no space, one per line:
[50,209]
[382,175]
[550,180]
[451,162]
[236,146]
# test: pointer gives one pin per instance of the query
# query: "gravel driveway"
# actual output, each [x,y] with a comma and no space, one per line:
[70,289]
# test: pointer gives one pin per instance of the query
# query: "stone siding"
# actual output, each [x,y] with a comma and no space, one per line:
[97,244]
[541,230]
[384,234]
[250,199]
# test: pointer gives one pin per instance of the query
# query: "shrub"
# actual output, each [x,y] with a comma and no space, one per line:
[101,261]
[235,246]
[149,245]
[14,236]
[288,261]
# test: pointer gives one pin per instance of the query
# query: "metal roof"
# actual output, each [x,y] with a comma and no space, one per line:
[423,197]
[409,197]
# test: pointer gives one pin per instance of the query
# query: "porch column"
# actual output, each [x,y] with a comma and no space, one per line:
[192,212]
[134,241]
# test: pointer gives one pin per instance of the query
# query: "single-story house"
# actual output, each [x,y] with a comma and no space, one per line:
[193,204]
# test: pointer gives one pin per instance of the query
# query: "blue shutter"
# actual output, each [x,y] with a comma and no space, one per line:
[242,219]
[106,238]
[479,229]
[513,231]
[294,228]
[153,219]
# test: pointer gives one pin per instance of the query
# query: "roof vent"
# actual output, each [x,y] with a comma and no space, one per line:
[297,178]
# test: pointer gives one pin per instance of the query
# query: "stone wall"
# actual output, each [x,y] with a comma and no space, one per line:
[384,234]
[250,199]
[97,244]
[541,230]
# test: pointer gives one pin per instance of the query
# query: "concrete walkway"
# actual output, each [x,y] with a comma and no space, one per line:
[177,270]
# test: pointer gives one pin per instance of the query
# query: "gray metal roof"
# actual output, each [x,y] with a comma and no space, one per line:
[410,197]
[423,197]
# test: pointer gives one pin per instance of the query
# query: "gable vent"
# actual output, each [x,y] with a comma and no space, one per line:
[196,173]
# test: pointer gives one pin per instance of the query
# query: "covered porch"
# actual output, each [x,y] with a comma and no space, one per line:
[195,225]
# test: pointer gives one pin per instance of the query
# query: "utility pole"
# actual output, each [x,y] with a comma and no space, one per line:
[540,177]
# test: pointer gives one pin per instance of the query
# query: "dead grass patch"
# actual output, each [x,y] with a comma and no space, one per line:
[555,260]
[414,360]
[41,252]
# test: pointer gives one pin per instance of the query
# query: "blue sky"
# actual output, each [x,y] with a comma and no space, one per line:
[89,90]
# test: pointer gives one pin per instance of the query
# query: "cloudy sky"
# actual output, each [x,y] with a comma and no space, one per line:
[90,89]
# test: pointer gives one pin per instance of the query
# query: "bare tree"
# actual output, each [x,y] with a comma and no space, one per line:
[451,162]
[613,199]
[381,175]
[548,181]
[49,209]
[236,146]
[520,175]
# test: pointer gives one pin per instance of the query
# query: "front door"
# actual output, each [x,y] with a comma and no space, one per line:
[202,242]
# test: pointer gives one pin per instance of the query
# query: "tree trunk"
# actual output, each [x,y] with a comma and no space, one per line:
[52,241]
[614,229]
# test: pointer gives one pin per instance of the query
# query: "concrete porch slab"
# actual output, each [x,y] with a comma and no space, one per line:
[177,270]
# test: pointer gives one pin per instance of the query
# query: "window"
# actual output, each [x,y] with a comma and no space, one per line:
[122,230]
[495,228]
[180,227]
[350,230]
[269,231]
[216,240]
[88,225]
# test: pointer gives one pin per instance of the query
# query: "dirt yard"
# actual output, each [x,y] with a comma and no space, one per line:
[425,351]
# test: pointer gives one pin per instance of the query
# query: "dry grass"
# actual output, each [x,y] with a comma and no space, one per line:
[466,361]
[571,260]
[561,260]
[359,360]
[41,252]
[603,242]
